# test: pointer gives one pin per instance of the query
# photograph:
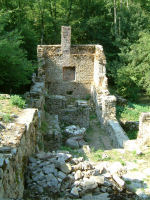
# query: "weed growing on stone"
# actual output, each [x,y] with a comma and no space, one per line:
[7,109]
[17,101]
[44,127]
[6,118]
[93,116]
[88,97]
[128,182]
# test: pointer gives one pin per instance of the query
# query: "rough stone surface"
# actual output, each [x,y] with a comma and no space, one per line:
[144,129]
[16,146]
[83,181]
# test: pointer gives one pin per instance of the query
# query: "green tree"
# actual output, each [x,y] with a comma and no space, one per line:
[136,75]
[15,69]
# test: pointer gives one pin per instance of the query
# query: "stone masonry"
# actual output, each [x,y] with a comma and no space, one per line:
[77,72]
[18,142]
[144,129]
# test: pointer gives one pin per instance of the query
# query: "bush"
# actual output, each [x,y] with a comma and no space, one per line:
[17,101]
[6,118]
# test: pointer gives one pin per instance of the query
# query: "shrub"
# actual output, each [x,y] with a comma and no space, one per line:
[17,101]
[6,118]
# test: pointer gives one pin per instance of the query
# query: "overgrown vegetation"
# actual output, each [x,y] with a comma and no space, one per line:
[10,106]
[121,27]
[44,127]
[131,111]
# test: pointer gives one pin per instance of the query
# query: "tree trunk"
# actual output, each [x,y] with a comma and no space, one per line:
[127,3]
[120,17]
[115,18]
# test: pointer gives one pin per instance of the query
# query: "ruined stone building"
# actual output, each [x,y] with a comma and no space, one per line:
[71,70]
[67,76]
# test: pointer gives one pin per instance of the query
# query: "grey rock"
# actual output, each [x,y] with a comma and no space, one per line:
[1,162]
[63,157]
[65,167]
[32,160]
[61,175]
[2,126]
[75,192]
[81,143]
[39,189]
[87,197]
[5,149]
[1,173]
[53,184]
[14,116]
[38,177]
[107,183]
[14,151]
[103,189]
[133,186]
[73,143]
[52,169]
[75,131]
[101,197]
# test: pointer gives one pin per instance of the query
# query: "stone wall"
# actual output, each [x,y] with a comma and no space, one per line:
[144,129]
[105,103]
[76,60]
[16,145]
[76,113]
[82,61]
[88,63]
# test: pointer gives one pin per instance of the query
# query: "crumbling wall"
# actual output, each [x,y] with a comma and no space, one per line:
[60,59]
[16,146]
[87,62]
[144,129]
[106,103]
[76,113]
[56,62]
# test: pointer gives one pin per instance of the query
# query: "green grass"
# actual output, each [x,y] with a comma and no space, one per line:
[131,111]
[74,152]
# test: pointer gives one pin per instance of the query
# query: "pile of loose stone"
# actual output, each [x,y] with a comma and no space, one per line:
[75,136]
[58,175]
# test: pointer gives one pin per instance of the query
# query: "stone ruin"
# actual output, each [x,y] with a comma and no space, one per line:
[68,73]
[67,76]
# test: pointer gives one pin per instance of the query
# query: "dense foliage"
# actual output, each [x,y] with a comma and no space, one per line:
[122,27]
